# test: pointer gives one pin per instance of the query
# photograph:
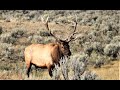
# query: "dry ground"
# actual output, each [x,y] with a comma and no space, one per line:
[33,26]
[106,72]
[110,71]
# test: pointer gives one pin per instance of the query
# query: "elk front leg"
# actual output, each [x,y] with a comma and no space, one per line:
[50,70]
[28,69]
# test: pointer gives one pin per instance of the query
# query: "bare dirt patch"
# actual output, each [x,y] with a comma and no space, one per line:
[108,72]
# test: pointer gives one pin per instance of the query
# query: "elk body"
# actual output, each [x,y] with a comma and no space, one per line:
[46,55]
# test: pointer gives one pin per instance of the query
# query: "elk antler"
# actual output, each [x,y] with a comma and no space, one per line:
[47,27]
[74,31]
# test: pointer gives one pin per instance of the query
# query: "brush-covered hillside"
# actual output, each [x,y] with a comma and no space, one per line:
[97,43]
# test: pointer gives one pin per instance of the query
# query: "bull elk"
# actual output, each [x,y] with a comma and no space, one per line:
[46,55]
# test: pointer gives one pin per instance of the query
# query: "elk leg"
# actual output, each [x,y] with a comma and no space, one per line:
[58,64]
[50,70]
[28,68]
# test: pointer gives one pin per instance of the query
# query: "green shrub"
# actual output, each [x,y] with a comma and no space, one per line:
[44,34]
[12,36]
[73,69]
[35,39]
[7,38]
[100,61]
[115,39]
[6,50]
[17,33]
[112,50]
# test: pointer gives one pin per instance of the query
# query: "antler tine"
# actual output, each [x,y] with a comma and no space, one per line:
[47,19]
[74,31]
[47,27]
[42,19]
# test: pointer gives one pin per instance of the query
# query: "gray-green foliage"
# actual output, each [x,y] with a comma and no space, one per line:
[116,40]
[6,50]
[10,52]
[11,36]
[8,41]
[7,38]
[74,68]
[112,50]
[103,40]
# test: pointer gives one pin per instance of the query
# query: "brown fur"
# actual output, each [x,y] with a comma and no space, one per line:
[43,55]
[46,55]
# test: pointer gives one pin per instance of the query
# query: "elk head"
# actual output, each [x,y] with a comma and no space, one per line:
[64,44]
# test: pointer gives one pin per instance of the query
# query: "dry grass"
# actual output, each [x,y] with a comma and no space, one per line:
[17,71]
[27,25]
[12,75]
[108,72]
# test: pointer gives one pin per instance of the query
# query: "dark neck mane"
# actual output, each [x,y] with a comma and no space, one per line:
[61,54]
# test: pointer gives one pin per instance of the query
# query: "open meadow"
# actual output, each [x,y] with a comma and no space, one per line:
[95,52]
